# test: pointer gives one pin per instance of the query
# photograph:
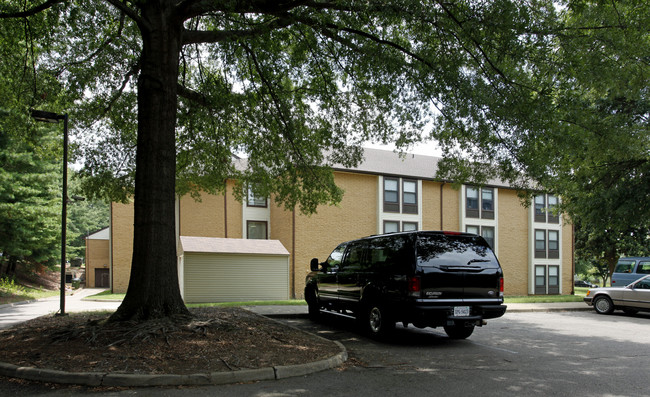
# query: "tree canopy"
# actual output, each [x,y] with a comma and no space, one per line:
[540,93]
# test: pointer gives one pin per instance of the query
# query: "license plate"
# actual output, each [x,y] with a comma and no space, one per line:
[461,311]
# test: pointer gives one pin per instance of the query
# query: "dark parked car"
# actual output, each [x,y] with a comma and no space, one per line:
[582,283]
[425,278]
[633,298]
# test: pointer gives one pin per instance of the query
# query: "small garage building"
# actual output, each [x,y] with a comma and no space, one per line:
[227,269]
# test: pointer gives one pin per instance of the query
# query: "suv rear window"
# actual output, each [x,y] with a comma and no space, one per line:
[454,250]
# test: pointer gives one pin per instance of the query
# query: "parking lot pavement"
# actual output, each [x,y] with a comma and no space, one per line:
[299,310]
[15,313]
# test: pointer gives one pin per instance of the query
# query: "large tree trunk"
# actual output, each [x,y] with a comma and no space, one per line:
[153,290]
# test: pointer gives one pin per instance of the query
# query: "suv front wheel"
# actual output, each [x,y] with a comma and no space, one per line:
[313,306]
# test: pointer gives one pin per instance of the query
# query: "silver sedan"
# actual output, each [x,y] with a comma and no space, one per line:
[633,298]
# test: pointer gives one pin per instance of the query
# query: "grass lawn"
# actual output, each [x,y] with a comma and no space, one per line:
[107,295]
[11,292]
[579,294]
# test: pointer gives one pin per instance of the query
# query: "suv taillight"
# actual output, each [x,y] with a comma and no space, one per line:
[414,286]
[500,286]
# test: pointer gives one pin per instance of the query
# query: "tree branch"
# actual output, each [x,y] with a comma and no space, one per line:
[130,12]
[192,8]
[201,36]
[192,95]
[104,45]
[32,11]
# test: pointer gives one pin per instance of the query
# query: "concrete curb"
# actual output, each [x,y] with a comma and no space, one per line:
[147,380]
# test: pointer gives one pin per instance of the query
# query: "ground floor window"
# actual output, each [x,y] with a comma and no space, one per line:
[394,226]
[256,230]
[487,232]
[547,279]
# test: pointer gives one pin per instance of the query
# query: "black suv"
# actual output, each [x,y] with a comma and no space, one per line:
[425,278]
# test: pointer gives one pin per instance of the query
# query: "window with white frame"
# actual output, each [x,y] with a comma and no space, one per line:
[409,226]
[471,202]
[479,202]
[409,196]
[396,226]
[391,195]
[391,226]
[545,208]
[400,195]
[487,232]
[547,244]
[553,244]
[540,243]
[547,279]
[256,230]
[255,200]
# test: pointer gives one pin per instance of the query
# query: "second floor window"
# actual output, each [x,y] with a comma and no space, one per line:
[409,197]
[544,208]
[391,195]
[540,243]
[255,200]
[400,195]
[553,244]
[479,203]
[472,208]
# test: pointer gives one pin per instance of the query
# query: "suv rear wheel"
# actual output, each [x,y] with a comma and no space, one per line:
[376,320]
[459,330]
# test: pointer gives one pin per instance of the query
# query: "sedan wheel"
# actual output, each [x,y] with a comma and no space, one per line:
[603,305]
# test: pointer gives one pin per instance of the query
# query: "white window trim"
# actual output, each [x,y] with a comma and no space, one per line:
[397,216]
[532,261]
[465,221]
[256,214]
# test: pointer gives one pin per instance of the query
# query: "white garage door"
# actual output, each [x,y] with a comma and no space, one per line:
[212,277]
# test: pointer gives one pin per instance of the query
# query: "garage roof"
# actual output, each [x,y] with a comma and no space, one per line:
[232,246]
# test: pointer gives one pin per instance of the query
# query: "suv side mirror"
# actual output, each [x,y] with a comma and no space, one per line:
[313,265]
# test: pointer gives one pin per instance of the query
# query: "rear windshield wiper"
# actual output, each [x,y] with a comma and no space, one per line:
[478,260]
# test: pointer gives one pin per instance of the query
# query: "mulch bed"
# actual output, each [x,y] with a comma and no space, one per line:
[215,339]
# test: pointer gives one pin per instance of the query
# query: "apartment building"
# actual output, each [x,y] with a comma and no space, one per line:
[385,193]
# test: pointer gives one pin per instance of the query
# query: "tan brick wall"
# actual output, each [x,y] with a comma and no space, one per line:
[234,211]
[204,218]
[356,216]
[513,242]
[97,257]
[431,205]
[450,208]
[122,250]
[282,229]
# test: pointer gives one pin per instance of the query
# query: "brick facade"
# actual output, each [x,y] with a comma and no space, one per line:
[359,214]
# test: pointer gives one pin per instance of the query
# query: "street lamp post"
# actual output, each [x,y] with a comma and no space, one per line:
[49,117]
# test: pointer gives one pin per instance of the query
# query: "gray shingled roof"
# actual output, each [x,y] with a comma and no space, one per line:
[232,246]
[387,162]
